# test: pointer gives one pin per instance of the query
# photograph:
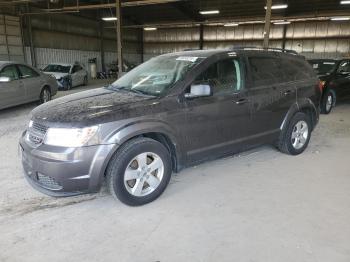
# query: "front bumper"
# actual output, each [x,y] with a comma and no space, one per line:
[59,171]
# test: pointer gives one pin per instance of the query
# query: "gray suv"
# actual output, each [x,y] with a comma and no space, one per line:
[174,111]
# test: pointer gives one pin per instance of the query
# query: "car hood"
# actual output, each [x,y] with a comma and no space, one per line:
[94,106]
[56,74]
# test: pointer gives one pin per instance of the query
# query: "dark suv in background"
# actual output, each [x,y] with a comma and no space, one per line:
[335,80]
[174,111]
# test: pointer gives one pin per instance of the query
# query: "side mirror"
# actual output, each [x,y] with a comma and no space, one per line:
[5,79]
[199,90]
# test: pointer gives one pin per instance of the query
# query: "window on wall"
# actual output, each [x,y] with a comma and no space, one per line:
[223,76]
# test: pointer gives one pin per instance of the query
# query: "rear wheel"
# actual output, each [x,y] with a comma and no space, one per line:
[45,95]
[139,172]
[328,102]
[85,83]
[296,137]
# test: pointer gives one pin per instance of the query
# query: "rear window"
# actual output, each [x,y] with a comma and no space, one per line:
[274,70]
[265,70]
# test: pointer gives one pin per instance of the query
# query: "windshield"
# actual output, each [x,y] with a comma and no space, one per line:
[57,69]
[323,67]
[156,76]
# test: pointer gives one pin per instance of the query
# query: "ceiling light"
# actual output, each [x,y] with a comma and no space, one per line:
[150,29]
[340,18]
[231,24]
[345,2]
[109,19]
[210,12]
[274,7]
[282,23]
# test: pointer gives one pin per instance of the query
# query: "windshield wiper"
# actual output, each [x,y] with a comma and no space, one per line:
[136,91]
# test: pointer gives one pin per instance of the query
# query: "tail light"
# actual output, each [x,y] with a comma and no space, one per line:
[322,85]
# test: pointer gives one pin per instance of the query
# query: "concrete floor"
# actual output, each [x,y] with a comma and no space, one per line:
[259,206]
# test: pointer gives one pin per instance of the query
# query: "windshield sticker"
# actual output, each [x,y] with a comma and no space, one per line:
[187,58]
[232,54]
[315,66]
[329,63]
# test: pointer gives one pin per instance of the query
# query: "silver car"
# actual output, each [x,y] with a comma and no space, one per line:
[20,84]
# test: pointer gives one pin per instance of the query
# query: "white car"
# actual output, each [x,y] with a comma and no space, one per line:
[67,75]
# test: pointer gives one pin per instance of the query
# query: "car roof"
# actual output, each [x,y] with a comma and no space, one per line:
[251,50]
[4,63]
[61,64]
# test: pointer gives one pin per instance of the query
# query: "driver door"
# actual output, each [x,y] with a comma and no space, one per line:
[75,76]
[12,92]
[217,124]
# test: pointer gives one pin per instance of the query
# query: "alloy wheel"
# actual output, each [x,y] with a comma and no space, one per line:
[300,134]
[144,174]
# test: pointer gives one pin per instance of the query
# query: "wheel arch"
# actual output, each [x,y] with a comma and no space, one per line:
[303,105]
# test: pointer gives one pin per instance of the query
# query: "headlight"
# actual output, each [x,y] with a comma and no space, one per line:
[71,137]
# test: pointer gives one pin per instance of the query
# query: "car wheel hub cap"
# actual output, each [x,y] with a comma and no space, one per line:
[300,134]
[143,174]
[329,102]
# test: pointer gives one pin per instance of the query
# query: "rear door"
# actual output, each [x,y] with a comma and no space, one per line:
[218,124]
[271,92]
[13,92]
[32,82]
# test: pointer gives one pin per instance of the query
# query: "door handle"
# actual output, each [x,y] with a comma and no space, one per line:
[241,101]
[288,92]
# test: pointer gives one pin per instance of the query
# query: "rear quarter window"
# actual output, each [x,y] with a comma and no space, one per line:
[265,70]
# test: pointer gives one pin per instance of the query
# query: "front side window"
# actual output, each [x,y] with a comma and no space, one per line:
[27,72]
[222,76]
[10,72]
[57,69]
[344,67]
[156,76]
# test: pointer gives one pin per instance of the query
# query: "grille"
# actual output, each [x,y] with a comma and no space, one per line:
[39,127]
[36,133]
[48,182]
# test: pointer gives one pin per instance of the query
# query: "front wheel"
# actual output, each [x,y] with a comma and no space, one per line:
[296,137]
[328,102]
[139,172]
[45,95]
[85,82]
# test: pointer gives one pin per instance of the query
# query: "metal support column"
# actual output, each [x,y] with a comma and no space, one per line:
[30,38]
[201,36]
[119,37]
[267,24]
[142,47]
[102,50]
[284,37]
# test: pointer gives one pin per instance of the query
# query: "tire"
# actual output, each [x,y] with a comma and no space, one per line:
[289,145]
[45,95]
[328,102]
[128,178]
[85,83]
[69,85]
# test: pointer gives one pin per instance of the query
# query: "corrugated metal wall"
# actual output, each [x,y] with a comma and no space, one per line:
[313,39]
[11,45]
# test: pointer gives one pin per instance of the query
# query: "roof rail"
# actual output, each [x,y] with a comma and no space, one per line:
[270,49]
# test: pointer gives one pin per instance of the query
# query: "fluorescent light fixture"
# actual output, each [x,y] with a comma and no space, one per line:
[150,29]
[345,2]
[109,19]
[282,23]
[340,18]
[274,7]
[209,12]
[231,24]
